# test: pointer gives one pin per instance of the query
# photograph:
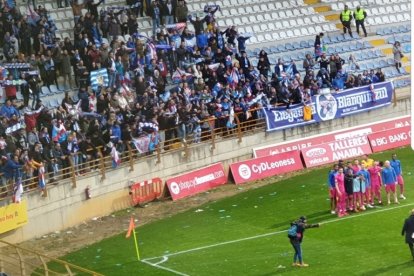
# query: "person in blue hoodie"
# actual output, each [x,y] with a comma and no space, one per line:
[10,170]
[389,179]
[331,186]
[396,165]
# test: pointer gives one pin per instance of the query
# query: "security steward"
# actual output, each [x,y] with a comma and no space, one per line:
[346,18]
[360,15]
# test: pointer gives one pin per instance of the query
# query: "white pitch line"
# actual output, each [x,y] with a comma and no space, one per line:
[164,259]
[270,234]
[165,268]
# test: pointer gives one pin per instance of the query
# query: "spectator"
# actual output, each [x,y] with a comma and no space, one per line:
[181,12]
[398,55]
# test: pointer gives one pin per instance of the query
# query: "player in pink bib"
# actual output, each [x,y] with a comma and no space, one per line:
[340,192]
[375,174]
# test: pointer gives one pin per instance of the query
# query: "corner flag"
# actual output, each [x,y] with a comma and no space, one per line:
[131,228]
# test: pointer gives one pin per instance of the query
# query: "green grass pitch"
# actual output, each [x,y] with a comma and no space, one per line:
[246,235]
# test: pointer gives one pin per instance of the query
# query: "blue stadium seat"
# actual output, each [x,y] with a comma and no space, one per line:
[383,63]
[45,91]
[347,37]
[281,48]
[346,48]
[296,45]
[274,49]
[289,46]
[391,40]
[364,55]
[402,29]
[362,67]
[380,31]
[367,45]
[403,71]
[352,47]
[407,48]
[304,44]
[359,45]
[390,62]
[406,38]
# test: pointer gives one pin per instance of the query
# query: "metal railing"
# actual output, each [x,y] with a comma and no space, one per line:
[16,260]
[216,131]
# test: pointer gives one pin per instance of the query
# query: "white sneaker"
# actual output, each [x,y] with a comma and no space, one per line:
[402,196]
[333,212]
[370,206]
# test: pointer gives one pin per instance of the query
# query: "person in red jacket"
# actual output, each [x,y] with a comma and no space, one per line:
[10,89]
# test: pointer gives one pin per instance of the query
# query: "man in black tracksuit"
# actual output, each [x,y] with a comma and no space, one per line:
[408,230]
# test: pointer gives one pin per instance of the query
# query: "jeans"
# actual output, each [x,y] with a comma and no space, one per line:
[298,251]
[155,24]
[112,79]
[168,19]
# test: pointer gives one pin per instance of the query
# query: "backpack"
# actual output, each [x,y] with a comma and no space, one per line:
[292,232]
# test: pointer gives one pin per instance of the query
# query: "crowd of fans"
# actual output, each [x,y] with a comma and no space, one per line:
[160,87]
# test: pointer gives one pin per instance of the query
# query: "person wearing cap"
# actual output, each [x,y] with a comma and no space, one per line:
[346,18]
[408,231]
[360,15]
[296,242]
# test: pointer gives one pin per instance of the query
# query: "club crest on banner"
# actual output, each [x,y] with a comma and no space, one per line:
[326,107]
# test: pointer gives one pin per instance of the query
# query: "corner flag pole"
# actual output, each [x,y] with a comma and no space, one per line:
[136,244]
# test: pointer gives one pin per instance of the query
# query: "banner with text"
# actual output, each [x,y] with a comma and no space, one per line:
[13,216]
[331,106]
[390,139]
[196,181]
[267,166]
[307,142]
[336,150]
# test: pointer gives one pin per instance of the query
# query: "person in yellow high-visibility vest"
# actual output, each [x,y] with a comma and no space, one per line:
[346,18]
[360,15]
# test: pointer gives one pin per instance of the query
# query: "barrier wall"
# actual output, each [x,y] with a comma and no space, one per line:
[66,206]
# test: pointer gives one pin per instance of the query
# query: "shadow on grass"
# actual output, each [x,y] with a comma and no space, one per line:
[312,218]
[388,269]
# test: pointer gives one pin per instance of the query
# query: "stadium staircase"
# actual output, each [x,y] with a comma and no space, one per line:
[287,29]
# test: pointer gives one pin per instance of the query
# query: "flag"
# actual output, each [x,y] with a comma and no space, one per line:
[115,156]
[141,144]
[99,78]
[42,182]
[32,16]
[130,228]
[190,41]
[17,190]
[178,26]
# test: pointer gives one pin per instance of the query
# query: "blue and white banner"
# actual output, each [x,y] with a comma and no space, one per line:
[99,78]
[331,106]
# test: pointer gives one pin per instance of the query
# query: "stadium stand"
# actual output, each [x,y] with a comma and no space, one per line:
[285,30]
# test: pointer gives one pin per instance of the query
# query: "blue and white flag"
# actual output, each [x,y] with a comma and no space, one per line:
[99,78]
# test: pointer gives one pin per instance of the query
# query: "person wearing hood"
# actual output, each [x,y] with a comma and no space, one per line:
[295,234]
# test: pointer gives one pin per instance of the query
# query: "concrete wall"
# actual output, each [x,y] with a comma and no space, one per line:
[66,206]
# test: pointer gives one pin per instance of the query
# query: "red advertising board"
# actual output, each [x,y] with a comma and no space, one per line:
[332,152]
[332,136]
[196,181]
[267,166]
[390,139]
